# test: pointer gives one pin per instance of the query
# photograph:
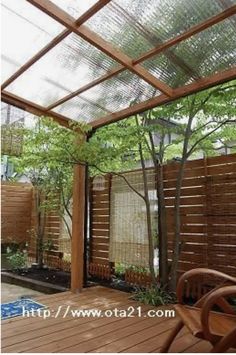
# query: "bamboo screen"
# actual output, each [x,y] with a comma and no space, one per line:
[128,224]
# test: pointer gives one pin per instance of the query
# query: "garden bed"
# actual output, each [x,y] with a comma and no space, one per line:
[43,280]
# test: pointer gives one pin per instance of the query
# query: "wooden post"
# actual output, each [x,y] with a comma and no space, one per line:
[86,231]
[77,245]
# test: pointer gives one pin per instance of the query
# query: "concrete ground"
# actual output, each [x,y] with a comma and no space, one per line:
[10,292]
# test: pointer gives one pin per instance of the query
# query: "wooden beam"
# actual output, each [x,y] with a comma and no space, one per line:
[95,8]
[65,19]
[78,216]
[114,117]
[86,87]
[187,34]
[33,108]
[186,90]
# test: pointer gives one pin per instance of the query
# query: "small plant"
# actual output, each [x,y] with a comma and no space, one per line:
[17,260]
[67,257]
[154,296]
[48,245]
[119,269]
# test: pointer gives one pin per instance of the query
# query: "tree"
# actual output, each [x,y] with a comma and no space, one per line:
[203,115]
[42,161]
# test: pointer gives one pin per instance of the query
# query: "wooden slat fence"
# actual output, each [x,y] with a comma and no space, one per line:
[16,207]
[208,215]
[99,222]
[19,218]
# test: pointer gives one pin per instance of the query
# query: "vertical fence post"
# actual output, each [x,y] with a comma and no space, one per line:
[86,220]
[111,264]
[78,220]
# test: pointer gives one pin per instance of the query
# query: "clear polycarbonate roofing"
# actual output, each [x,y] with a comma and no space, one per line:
[49,64]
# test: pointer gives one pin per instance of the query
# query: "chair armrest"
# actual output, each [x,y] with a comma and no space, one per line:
[196,272]
[209,302]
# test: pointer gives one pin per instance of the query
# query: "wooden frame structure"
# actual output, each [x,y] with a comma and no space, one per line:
[165,93]
[124,63]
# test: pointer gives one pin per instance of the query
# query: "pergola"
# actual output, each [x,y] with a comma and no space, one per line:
[101,61]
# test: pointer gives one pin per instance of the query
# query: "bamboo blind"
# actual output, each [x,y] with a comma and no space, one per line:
[128,224]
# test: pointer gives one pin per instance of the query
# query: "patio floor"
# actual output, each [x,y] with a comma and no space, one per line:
[80,335]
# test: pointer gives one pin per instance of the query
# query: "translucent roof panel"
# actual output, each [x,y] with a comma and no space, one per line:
[138,26]
[80,110]
[212,50]
[165,69]
[113,95]
[75,8]
[206,53]
[25,30]
[132,26]
[65,68]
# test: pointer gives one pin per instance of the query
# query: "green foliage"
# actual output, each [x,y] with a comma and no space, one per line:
[50,151]
[154,296]
[17,260]
[48,245]
[47,160]
[121,268]
[114,147]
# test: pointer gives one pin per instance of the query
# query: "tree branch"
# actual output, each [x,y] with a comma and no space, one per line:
[207,135]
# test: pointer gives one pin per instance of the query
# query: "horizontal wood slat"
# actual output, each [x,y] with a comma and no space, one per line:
[99,265]
[16,203]
[18,218]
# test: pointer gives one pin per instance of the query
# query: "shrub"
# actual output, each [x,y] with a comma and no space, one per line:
[154,296]
[18,260]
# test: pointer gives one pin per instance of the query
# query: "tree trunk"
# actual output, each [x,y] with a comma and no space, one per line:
[177,219]
[40,228]
[148,214]
[162,226]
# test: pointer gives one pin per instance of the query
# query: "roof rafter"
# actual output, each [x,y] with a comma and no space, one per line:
[68,21]
[186,90]
[33,108]
[88,86]
[91,11]
[159,49]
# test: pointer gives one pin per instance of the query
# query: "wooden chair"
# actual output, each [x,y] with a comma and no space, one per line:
[219,328]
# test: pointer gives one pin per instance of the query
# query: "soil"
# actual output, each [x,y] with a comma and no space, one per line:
[62,278]
[55,277]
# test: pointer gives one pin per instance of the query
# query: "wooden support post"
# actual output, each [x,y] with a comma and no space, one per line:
[86,231]
[77,245]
